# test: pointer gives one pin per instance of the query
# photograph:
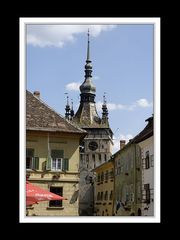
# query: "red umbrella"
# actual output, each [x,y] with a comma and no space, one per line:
[36,194]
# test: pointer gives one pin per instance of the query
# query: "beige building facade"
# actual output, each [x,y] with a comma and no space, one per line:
[104,189]
[128,180]
[52,158]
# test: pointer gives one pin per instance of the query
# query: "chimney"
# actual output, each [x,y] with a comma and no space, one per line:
[122,143]
[36,94]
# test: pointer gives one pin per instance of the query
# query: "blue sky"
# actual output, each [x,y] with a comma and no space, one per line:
[122,59]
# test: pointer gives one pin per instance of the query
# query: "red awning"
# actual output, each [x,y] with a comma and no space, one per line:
[36,194]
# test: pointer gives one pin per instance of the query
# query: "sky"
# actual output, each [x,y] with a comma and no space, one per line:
[122,59]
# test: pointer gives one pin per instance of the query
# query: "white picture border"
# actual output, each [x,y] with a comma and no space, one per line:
[22,124]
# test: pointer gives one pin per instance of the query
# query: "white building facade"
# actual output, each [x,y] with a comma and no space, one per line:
[146,142]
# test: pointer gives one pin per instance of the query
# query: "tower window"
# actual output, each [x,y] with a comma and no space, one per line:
[147,163]
[147,192]
[94,160]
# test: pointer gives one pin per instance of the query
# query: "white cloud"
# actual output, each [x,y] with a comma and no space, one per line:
[58,35]
[117,139]
[110,106]
[143,103]
[74,86]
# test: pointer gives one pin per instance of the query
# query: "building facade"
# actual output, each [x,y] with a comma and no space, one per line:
[128,179]
[104,189]
[146,142]
[96,147]
[52,157]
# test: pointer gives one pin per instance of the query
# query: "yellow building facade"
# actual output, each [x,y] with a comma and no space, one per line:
[52,158]
[104,189]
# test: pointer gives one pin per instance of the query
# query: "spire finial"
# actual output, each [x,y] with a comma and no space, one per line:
[67,108]
[104,98]
[88,48]
[67,98]
[104,110]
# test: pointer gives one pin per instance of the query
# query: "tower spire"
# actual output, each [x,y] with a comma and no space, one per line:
[104,110]
[88,49]
[87,87]
[67,108]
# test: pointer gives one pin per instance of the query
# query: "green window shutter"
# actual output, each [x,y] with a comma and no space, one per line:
[63,165]
[66,164]
[48,163]
[36,163]
[57,153]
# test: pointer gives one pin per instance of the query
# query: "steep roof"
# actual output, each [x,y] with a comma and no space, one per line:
[39,116]
[146,132]
[143,135]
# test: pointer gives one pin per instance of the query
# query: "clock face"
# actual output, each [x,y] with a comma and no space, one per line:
[93,146]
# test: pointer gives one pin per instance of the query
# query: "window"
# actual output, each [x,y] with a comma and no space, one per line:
[106,195]
[147,165]
[57,161]
[94,160]
[147,190]
[105,157]
[31,161]
[98,196]
[152,160]
[56,164]
[99,157]
[101,196]
[111,195]
[58,191]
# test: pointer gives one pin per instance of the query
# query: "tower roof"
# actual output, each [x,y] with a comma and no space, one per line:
[87,86]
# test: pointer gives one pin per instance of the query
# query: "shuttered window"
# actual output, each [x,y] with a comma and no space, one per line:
[31,161]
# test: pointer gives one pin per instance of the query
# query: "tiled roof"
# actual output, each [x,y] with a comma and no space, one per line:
[145,133]
[39,116]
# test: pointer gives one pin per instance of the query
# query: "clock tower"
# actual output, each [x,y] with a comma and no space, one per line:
[96,148]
